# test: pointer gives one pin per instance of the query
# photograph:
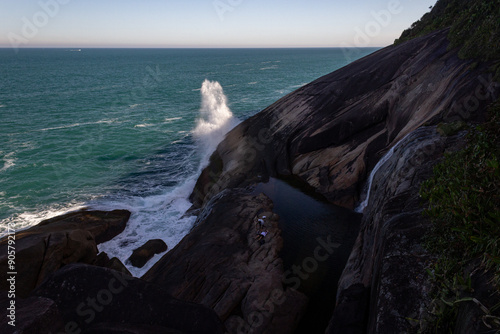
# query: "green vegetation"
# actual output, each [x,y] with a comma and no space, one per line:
[474,27]
[463,195]
[450,129]
[463,199]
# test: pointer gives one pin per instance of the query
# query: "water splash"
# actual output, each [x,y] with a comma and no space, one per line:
[153,217]
[361,207]
[161,216]
[216,118]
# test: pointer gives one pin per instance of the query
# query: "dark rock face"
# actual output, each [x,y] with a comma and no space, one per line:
[125,328]
[95,300]
[34,315]
[143,254]
[331,132]
[222,265]
[46,247]
[351,312]
[103,225]
[103,260]
[387,265]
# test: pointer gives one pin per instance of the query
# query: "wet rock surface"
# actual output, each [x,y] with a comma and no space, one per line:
[329,135]
[387,267]
[140,256]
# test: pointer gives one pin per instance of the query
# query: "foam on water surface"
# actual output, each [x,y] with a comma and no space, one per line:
[162,216]
[153,217]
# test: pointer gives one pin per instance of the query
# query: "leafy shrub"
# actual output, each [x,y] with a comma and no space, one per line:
[474,27]
[463,203]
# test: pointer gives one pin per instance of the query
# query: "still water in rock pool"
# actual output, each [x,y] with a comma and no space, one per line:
[317,240]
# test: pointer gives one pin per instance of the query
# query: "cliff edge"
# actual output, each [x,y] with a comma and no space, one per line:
[328,136]
[330,133]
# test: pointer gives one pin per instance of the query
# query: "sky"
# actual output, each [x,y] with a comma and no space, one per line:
[206,23]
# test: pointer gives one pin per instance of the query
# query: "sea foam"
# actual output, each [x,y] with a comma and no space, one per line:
[26,220]
[162,216]
[9,161]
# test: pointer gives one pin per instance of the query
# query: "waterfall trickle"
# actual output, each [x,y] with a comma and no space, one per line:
[361,207]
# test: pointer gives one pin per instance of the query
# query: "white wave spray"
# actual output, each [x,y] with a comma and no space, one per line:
[216,118]
[162,216]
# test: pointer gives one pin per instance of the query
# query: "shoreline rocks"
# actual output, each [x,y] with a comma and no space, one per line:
[99,300]
[54,243]
[103,260]
[328,135]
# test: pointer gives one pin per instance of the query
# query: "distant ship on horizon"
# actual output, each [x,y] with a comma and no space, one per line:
[76,50]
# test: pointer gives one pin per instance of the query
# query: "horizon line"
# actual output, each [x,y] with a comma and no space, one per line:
[194,47]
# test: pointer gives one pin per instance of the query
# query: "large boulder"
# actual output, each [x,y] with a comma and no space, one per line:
[103,225]
[99,300]
[223,265]
[140,256]
[54,243]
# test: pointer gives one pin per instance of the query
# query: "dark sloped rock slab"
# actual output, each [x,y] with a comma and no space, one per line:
[70,238]
[93,298]
[388,262]
[222,264]
[34,315]
[103,225]
[114,263]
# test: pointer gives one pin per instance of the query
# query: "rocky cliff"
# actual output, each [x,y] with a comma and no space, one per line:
[327,138]
[57,289]
[330,133]
[385,279]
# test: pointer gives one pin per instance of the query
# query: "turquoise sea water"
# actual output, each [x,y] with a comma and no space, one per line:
[120,128]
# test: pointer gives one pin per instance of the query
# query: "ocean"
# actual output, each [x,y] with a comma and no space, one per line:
[130,128]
